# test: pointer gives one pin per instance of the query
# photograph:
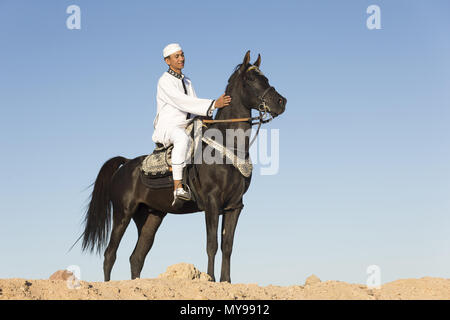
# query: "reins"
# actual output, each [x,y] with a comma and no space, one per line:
[262,118]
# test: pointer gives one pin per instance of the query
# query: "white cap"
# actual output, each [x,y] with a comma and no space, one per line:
[171,48]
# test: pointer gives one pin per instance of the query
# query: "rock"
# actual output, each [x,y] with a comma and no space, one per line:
[184,271]
[313,279]
[61,275]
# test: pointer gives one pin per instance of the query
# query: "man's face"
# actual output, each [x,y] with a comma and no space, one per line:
[176,60]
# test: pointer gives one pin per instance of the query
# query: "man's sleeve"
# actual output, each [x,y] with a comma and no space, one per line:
[189,104]
[211,107]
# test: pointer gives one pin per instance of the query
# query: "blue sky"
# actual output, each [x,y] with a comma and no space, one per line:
[364,148]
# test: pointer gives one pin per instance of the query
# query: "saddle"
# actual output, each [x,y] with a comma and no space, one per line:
[156,168]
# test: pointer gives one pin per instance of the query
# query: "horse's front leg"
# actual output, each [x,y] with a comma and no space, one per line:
[229,222]
[212,221]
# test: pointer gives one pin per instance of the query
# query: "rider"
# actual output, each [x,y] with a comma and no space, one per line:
[176,101]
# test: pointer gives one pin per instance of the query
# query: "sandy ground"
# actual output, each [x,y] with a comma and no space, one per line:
[188,283]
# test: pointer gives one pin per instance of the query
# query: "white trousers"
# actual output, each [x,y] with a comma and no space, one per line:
[181,144]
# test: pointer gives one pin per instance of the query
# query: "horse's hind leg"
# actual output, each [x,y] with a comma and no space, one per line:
[121,219]
[229,222]
[147,223]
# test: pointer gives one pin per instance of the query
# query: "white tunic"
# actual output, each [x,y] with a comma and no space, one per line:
[173,105]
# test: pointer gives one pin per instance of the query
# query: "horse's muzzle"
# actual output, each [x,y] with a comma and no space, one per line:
[280,107]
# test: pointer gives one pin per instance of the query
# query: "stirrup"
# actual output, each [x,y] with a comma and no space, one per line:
[184,195]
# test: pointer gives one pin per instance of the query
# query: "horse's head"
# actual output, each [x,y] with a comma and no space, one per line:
[254,89]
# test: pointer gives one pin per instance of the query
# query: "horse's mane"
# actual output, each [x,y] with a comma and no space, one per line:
[234,79]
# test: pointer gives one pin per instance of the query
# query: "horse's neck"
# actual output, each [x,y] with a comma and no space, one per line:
[234,111]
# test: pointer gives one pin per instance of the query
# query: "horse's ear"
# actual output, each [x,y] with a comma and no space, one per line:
[246,61]
[246,58]
[258,61]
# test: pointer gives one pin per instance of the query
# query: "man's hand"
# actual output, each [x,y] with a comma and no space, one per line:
[222,101]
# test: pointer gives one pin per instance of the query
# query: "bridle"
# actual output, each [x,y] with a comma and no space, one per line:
[263,109]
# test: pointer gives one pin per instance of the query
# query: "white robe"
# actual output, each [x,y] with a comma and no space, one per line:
[173,106]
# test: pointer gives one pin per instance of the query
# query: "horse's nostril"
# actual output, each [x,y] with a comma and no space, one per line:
[280,101]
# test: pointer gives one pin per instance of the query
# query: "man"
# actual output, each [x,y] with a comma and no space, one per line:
[176,102]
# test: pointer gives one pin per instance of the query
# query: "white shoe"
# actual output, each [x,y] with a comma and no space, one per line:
[181,194]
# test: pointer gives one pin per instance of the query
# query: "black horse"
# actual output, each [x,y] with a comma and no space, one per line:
[219,187]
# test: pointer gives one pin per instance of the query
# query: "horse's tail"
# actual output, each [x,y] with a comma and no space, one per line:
[98,215]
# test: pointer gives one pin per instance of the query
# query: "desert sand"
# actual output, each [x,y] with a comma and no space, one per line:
[185,282]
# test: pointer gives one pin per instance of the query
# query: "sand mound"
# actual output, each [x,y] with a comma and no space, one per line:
[61,275]
[184,271]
